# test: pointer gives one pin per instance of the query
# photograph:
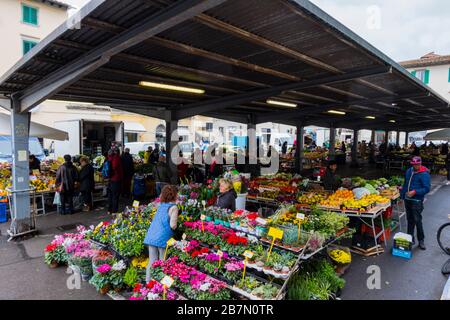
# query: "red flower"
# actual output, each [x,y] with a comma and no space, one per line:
[252,216]
[204,250]
[239,212]
[195,254]
[209,181]
[50,247]
[151,284]
[105,223]
[137,287]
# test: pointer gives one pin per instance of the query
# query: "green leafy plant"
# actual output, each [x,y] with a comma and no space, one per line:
[131,277]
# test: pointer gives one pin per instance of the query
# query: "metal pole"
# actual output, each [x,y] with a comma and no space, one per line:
[355,148]
[20,211]
[172,149]
[252,142]
[299,148]
[372,137]
[332,149]
[398,138]
[407,138]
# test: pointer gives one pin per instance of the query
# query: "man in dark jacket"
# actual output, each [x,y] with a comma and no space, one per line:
[417,185]
[35,164]
[128,172]
[66,177]
[330,181]
[115,182]
[162,175]
[87,183]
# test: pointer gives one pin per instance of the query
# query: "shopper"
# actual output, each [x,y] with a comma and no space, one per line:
[343,147]
[162,174]
[154,157]
[147,155]
[417,185]
[284,148]
[182,167]
[162,227]
[215,169]
[227,196]
[444,149]
[115,182]
[371,152]
[330,180]
[66,179]
[128,172]
[35,164]
[87,183]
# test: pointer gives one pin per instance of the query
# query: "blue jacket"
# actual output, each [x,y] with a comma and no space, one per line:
[159,231]
[419,181]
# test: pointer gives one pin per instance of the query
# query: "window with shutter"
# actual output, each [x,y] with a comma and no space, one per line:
[28,45]
[29,15]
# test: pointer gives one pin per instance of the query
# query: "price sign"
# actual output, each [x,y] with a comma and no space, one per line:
[33,178]
[275,233]
[248,254]
[183,236]
[167,281]
[171,242]
[300,216]
[203,217]
[220,253]
[135,204]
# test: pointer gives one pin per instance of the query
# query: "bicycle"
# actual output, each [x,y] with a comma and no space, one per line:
[443,239]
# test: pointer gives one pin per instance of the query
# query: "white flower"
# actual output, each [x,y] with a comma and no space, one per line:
[152,296]
[205,286]
[119,266]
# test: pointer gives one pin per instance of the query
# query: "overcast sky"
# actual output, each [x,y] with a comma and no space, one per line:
[402,29]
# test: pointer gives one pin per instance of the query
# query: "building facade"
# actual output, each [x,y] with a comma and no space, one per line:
[433,70]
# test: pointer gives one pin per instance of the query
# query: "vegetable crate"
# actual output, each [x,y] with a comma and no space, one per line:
[402,253]
[3,214]
[368,230]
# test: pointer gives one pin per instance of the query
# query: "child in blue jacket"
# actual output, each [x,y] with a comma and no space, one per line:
[417,185]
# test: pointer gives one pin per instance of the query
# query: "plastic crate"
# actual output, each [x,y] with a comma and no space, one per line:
[402,253]
[3,214]
[388,213]
[368,230]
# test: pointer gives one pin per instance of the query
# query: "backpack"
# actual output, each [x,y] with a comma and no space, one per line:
[107,169]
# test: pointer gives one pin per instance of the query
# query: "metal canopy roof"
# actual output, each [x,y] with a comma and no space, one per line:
[240,52]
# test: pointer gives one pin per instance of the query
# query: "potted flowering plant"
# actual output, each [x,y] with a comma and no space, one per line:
[153,290]
[55,255]
[100,280]
[82,259]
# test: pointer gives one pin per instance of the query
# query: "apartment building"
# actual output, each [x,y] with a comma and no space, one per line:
[434,70]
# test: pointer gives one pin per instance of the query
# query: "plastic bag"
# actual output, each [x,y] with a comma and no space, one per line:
[360,192]
[57,199]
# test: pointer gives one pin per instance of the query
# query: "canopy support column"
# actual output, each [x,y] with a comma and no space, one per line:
[21,220]
[253,147]
[398,138]
[332,149]
[386,137]
[299,148]
[355,149]
[407,138]
[372,137]
[172,149]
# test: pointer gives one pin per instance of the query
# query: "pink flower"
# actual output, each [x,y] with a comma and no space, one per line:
[104,268]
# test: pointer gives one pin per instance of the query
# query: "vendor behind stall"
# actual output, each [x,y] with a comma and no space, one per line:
[35,164]
[331,181]
[227,197]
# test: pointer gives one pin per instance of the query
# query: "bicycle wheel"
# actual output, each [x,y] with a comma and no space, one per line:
[443,237]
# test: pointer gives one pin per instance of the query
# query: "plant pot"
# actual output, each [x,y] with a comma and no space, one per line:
[86,276]
[53,265]
[104,290]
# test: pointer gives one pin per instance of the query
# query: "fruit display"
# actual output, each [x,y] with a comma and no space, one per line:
[312,198]
[336,200]
[365,203]
[340,256]
[280,187]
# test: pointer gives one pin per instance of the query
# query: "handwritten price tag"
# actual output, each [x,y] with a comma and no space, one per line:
[203,217]
[167,281]
[261,221]
[183,236]
[248,254]
[275,233]
[300,216]
[171,242]
[135,204]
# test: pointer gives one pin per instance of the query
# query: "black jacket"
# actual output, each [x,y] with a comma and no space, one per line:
[127,165]
[86,176]
[67,174]
[330,182]
[227,200]
[161,172]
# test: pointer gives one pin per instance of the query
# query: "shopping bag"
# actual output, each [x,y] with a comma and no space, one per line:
[57,199]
